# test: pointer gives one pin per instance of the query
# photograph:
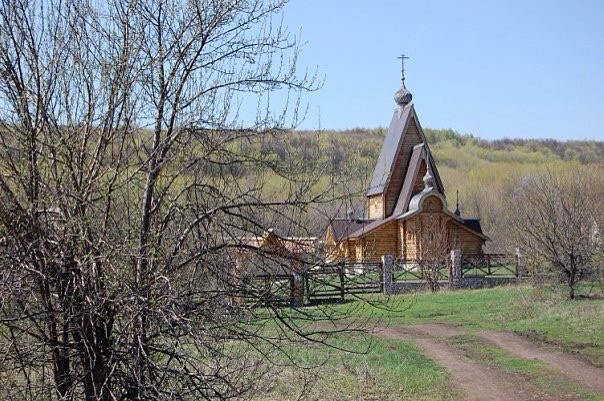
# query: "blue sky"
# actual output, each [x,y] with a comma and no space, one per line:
[494,69]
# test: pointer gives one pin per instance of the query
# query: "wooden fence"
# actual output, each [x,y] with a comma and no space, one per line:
[343,279]
[335,282]
[495,264]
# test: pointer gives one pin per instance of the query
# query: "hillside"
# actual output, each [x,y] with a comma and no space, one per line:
[484,172]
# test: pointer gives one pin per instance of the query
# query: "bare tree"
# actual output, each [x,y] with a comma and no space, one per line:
[129,184]
[433,254]
[556,219]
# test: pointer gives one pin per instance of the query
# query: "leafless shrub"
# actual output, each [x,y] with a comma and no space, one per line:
[130,186]
[556,223]
[433,255]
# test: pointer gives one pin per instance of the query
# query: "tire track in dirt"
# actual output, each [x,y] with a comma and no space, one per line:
[478,382]
[441,330]
[570,366]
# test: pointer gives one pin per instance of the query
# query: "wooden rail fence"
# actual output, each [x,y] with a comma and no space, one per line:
[336,281]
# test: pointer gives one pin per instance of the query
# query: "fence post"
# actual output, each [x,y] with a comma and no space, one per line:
[455,277]
[297,289]
[517,263]
[342,283]
[387,274]
[307,286]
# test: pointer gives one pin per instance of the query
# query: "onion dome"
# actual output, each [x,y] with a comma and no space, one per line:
[402,96]
[428,180]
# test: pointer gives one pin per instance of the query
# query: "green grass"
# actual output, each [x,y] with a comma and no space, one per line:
[397,370]
[379,370]
[576,326]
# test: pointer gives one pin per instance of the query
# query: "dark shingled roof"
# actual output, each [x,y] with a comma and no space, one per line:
[383,167]
[373,224]
[473,224]
[388,152]
[344,227]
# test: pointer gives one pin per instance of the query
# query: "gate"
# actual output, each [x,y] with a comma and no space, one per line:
[337,281]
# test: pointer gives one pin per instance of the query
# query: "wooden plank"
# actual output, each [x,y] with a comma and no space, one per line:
[411,137]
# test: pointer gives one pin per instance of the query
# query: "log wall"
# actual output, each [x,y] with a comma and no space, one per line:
[375,207]
[379,242]
[468,242]
[404,239]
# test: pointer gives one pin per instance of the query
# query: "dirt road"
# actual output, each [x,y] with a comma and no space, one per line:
[478,381]
[567,365]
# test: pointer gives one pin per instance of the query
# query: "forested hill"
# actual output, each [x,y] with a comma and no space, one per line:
[447,145]
[485,172]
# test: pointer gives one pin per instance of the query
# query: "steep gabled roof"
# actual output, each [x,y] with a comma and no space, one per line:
[404,122]
[414,164]
[470,225]
[372,226]
[344,227]
[473,224]
[420,153]
[392,146]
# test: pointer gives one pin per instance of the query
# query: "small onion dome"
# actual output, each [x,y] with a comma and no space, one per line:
[428,180]
[402,96]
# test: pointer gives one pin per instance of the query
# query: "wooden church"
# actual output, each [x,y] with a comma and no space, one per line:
[406,213]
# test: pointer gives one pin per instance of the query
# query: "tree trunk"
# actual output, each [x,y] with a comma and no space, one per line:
[572,275]
[89,346]
[61,366]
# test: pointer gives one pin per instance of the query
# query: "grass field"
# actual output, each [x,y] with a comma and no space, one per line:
[375,370]
[383,369]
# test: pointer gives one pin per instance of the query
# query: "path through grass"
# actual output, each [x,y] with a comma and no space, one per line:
[575,326]
[397,370]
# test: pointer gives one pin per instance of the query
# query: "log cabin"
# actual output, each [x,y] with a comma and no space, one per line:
[406,212]
[270,254]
